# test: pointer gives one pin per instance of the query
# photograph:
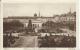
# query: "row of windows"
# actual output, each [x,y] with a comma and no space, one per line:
[35,25]
[67,19]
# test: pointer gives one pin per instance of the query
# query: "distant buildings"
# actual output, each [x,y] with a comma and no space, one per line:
[38,20]
[68,17]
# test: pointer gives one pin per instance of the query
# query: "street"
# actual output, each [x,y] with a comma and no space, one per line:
[26,41]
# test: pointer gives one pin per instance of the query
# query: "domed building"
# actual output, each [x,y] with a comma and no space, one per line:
[35,15]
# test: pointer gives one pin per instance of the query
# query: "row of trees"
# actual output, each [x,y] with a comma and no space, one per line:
[51,26]
[8,28]
[12,25]
[48,26]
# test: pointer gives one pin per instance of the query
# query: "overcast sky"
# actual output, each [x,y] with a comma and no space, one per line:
[46,7]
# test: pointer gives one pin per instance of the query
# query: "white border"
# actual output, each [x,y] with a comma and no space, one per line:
[77,33]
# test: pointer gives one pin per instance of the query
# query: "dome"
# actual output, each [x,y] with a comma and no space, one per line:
[35,14]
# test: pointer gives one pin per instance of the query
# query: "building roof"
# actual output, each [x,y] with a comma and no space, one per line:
[25,17]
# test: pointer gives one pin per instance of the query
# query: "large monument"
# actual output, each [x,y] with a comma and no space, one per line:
[30,28]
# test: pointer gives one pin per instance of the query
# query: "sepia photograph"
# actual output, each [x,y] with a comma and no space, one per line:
[42,25]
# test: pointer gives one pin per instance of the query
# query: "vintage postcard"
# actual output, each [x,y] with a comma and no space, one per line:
[39,24]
